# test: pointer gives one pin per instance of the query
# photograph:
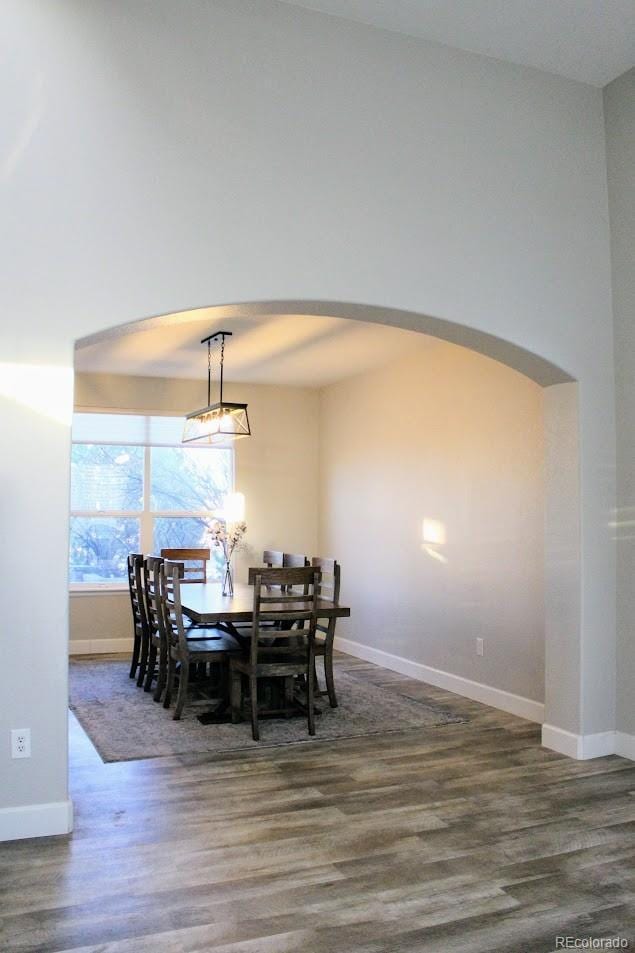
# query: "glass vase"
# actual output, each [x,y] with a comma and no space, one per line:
[228,582]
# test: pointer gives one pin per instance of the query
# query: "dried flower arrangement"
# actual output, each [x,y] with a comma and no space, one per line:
[228,538]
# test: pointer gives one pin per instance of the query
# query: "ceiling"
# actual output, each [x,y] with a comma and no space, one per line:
[298,350]
[592,41]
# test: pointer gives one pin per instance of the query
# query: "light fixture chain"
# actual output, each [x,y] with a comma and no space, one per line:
[209,372]
[222,361]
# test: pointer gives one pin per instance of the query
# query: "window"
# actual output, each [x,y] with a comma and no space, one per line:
[134,488]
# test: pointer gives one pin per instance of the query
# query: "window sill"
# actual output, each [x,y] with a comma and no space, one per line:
[95,589]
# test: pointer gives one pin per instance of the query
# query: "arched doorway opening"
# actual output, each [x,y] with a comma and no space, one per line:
[561,537]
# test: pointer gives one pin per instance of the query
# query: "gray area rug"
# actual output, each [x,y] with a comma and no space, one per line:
[125,724]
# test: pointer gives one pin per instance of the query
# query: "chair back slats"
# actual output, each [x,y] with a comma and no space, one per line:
[294,561]
[329,578]
[193,563]
[170,583]
[135,586]
[272,558]
[329,584]
[285,605]
[151,567]
[329,591]
[139,617]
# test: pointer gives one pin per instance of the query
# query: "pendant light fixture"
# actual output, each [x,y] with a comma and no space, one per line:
[221,423]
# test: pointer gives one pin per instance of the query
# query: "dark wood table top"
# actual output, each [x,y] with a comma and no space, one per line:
[205,603]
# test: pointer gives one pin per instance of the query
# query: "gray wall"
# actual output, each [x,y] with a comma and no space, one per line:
[432,499]
[619,106]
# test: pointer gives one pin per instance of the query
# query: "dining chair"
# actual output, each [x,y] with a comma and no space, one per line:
[139,617]
[272,558]
[183,651]
[157,660]
[157,649]
[284,659]
[294,561]
[329,591]
[194,562]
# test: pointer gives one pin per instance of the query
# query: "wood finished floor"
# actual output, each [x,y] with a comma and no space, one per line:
[458,839]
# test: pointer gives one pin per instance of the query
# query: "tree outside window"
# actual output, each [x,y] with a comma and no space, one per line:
[130,498]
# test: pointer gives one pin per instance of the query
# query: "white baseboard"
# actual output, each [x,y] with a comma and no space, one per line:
[586,747]
[99,646]
[496,697]
[598,745]
[564,742]
[625,745]
[36,820]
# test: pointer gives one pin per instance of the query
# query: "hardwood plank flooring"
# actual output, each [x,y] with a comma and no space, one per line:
[457,839]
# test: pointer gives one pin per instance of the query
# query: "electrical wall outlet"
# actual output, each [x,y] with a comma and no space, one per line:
[21,743]
[479,647]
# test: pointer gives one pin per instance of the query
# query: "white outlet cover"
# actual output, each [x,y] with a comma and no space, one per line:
[20,742]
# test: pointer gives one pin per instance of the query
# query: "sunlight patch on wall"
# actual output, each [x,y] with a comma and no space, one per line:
[433,538]
[46,389]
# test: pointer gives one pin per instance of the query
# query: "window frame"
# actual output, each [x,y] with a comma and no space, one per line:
[146,516]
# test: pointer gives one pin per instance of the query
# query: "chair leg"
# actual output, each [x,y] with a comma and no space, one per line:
[169,687]
[162,675]
[236,696]
[152,661]
[181,698]
[134,662]
[253,689]
[143,662]
[311,690]
[328,674]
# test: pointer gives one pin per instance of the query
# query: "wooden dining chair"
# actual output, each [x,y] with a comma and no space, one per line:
[294,561]
[272,558]
[329,591]
[158,656]
[139,618]
[157,649]
[184,651]
[194,562]
[276,599]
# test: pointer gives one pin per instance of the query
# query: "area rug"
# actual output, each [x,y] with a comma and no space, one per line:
[125,724]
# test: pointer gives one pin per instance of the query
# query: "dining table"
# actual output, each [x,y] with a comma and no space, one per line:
[205,604]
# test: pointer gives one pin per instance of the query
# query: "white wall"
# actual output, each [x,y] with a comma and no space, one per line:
[276,469]
[160,156]
[563,666]
[619,104]
[451,436]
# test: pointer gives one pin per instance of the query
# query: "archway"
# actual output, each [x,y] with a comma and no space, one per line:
[526,362]
[562,583]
